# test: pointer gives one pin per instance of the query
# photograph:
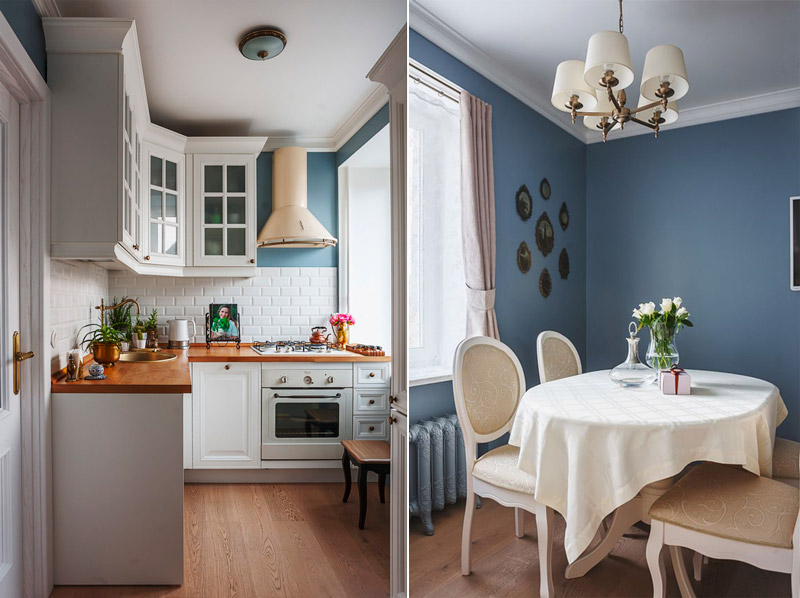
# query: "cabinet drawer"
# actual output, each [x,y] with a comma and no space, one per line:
[371,428]
[371,401]
[372,374]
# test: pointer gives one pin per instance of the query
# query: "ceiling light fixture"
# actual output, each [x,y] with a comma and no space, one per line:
[608,67]
[262,44]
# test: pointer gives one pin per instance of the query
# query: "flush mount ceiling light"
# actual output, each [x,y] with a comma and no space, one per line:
[608,67]
[262,44]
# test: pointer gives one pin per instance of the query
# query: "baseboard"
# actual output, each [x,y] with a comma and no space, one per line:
[269,476]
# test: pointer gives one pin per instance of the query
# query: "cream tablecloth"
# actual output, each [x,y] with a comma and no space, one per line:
[593,445]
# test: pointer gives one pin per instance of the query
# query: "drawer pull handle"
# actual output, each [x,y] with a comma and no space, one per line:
[372,374]
[372,428]
[338,395]
[392,420]
[372,401]
[391,399]
[227,367]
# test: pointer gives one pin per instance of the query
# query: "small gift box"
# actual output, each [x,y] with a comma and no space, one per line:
[675,381]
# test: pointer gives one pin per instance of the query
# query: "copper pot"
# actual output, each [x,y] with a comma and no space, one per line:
[105,353]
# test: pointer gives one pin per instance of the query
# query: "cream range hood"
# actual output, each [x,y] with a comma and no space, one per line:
[291,224]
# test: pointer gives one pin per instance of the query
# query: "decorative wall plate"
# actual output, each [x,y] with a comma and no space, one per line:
[544,189]
[545,236]
[545,283]
[563,264]
[524,203]
[523,258]
[563,216]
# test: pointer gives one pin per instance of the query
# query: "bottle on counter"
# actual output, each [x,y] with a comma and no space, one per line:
[72,368]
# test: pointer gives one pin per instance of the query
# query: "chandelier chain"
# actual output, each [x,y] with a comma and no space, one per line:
[620,16]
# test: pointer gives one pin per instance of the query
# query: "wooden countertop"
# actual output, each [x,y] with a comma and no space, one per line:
[200,353]
[165,377]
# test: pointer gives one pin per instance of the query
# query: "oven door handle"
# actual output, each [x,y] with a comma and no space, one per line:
[338,395]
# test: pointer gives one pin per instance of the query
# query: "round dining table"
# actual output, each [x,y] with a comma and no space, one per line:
[596,448]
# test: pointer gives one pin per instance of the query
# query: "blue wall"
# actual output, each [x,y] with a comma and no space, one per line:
[322,193]
[702,213]
[379,120]
[527,147]
[27,25]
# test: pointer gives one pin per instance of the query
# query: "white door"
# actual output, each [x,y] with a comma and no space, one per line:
[398,498]
[10,446]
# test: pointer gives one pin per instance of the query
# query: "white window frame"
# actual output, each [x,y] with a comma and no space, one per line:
[419,74]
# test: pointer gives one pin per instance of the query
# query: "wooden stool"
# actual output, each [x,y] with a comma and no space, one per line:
[367,455]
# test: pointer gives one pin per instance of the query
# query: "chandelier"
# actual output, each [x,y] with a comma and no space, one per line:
[591,85]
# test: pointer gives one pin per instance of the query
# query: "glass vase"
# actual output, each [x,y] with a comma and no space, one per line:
[342,334]
[632,372]
[662,353]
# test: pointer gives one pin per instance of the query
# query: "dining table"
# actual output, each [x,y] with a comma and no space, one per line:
[597,449]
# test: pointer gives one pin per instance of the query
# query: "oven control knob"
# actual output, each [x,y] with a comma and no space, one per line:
[308,380]
[283,380]
[330,379]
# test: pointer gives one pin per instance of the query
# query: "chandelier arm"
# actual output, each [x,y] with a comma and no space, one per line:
[647,107]
[610,126]
[601,114]
[614,101]
[641,122]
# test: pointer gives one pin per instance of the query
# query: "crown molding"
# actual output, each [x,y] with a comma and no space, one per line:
[47,8]
[760,104]
[448,39]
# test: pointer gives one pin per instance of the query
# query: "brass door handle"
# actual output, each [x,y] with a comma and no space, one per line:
[19,357]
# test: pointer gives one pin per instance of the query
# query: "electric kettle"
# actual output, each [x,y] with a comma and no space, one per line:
[179,333]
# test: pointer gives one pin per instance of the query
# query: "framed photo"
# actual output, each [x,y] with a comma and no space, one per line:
[222,324]
[794,247]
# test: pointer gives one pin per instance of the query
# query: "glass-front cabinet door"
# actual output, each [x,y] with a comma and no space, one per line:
[131,180]
[225,214]
[165,224]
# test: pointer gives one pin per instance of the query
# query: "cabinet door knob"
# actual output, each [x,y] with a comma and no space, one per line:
[372,374]
[392,420]
[372,401]
[227,367]
[252,261]
[147,257]
[136,248]
[372,428]
[391,399]
[283,380]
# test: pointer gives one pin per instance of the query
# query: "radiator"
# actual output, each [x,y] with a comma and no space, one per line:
[441,475]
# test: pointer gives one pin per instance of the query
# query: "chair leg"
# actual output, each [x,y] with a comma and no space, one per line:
[466,533]
[519,522]
[681,574]
[382,486]
[655,559]
[697,565]
[544,528]
[347,481]
[362,496]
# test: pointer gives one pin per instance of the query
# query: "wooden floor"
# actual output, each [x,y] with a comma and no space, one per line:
[264,540]
[504,565]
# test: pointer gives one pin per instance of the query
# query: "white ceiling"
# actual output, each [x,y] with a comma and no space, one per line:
[199,84]
[734,49]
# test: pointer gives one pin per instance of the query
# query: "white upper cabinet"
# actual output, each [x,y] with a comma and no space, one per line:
[224,201]
[126,192]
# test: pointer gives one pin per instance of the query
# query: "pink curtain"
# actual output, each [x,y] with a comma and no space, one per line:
[477,215]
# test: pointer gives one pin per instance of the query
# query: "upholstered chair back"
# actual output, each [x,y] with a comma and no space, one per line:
[488,383]
[558,358]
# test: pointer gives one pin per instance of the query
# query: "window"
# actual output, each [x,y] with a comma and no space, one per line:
[436,288]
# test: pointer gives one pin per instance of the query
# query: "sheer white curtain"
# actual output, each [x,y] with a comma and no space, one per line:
[477,215]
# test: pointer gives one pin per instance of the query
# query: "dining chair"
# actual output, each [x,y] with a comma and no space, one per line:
[726,513]
[488,383]
[786,461]
[557,356]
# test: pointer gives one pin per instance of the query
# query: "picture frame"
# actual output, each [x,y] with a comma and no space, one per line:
[223,325]
[794,243]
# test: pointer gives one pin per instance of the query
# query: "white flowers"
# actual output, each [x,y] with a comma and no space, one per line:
[666,305]
[644,309]
[677,301]
[682,312]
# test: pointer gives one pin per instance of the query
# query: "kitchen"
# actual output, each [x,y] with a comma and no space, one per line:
[229,221]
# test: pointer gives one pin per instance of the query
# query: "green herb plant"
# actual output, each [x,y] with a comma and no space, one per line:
[102,333]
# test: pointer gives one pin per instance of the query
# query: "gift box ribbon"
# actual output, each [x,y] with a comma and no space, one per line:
[676,371]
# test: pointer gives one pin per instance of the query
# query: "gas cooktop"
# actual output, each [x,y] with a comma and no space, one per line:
[295,347]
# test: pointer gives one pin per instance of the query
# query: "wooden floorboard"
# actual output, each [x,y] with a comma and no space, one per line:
[265,540]
[506,566]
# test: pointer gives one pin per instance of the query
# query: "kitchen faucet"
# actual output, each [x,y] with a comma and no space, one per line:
[103,308]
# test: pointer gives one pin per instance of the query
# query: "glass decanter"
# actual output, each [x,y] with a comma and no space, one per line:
[632,372]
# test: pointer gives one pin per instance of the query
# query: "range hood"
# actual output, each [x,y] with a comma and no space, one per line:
[291,224]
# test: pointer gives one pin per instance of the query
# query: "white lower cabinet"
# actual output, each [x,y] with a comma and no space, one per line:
[226,416]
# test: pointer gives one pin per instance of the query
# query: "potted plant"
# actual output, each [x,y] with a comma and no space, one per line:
[139,335]
[120,317]
[151,326]
[105,341]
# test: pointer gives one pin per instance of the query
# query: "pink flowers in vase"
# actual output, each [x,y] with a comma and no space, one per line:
[337,319]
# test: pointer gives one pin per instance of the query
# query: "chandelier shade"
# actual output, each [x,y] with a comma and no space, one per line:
[608,51]
[670,115]
[569,83]
[603,105]
[664,64]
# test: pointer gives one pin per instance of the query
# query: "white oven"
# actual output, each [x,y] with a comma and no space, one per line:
[306,410]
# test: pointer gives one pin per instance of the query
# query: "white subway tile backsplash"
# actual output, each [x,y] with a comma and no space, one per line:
[278,303]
